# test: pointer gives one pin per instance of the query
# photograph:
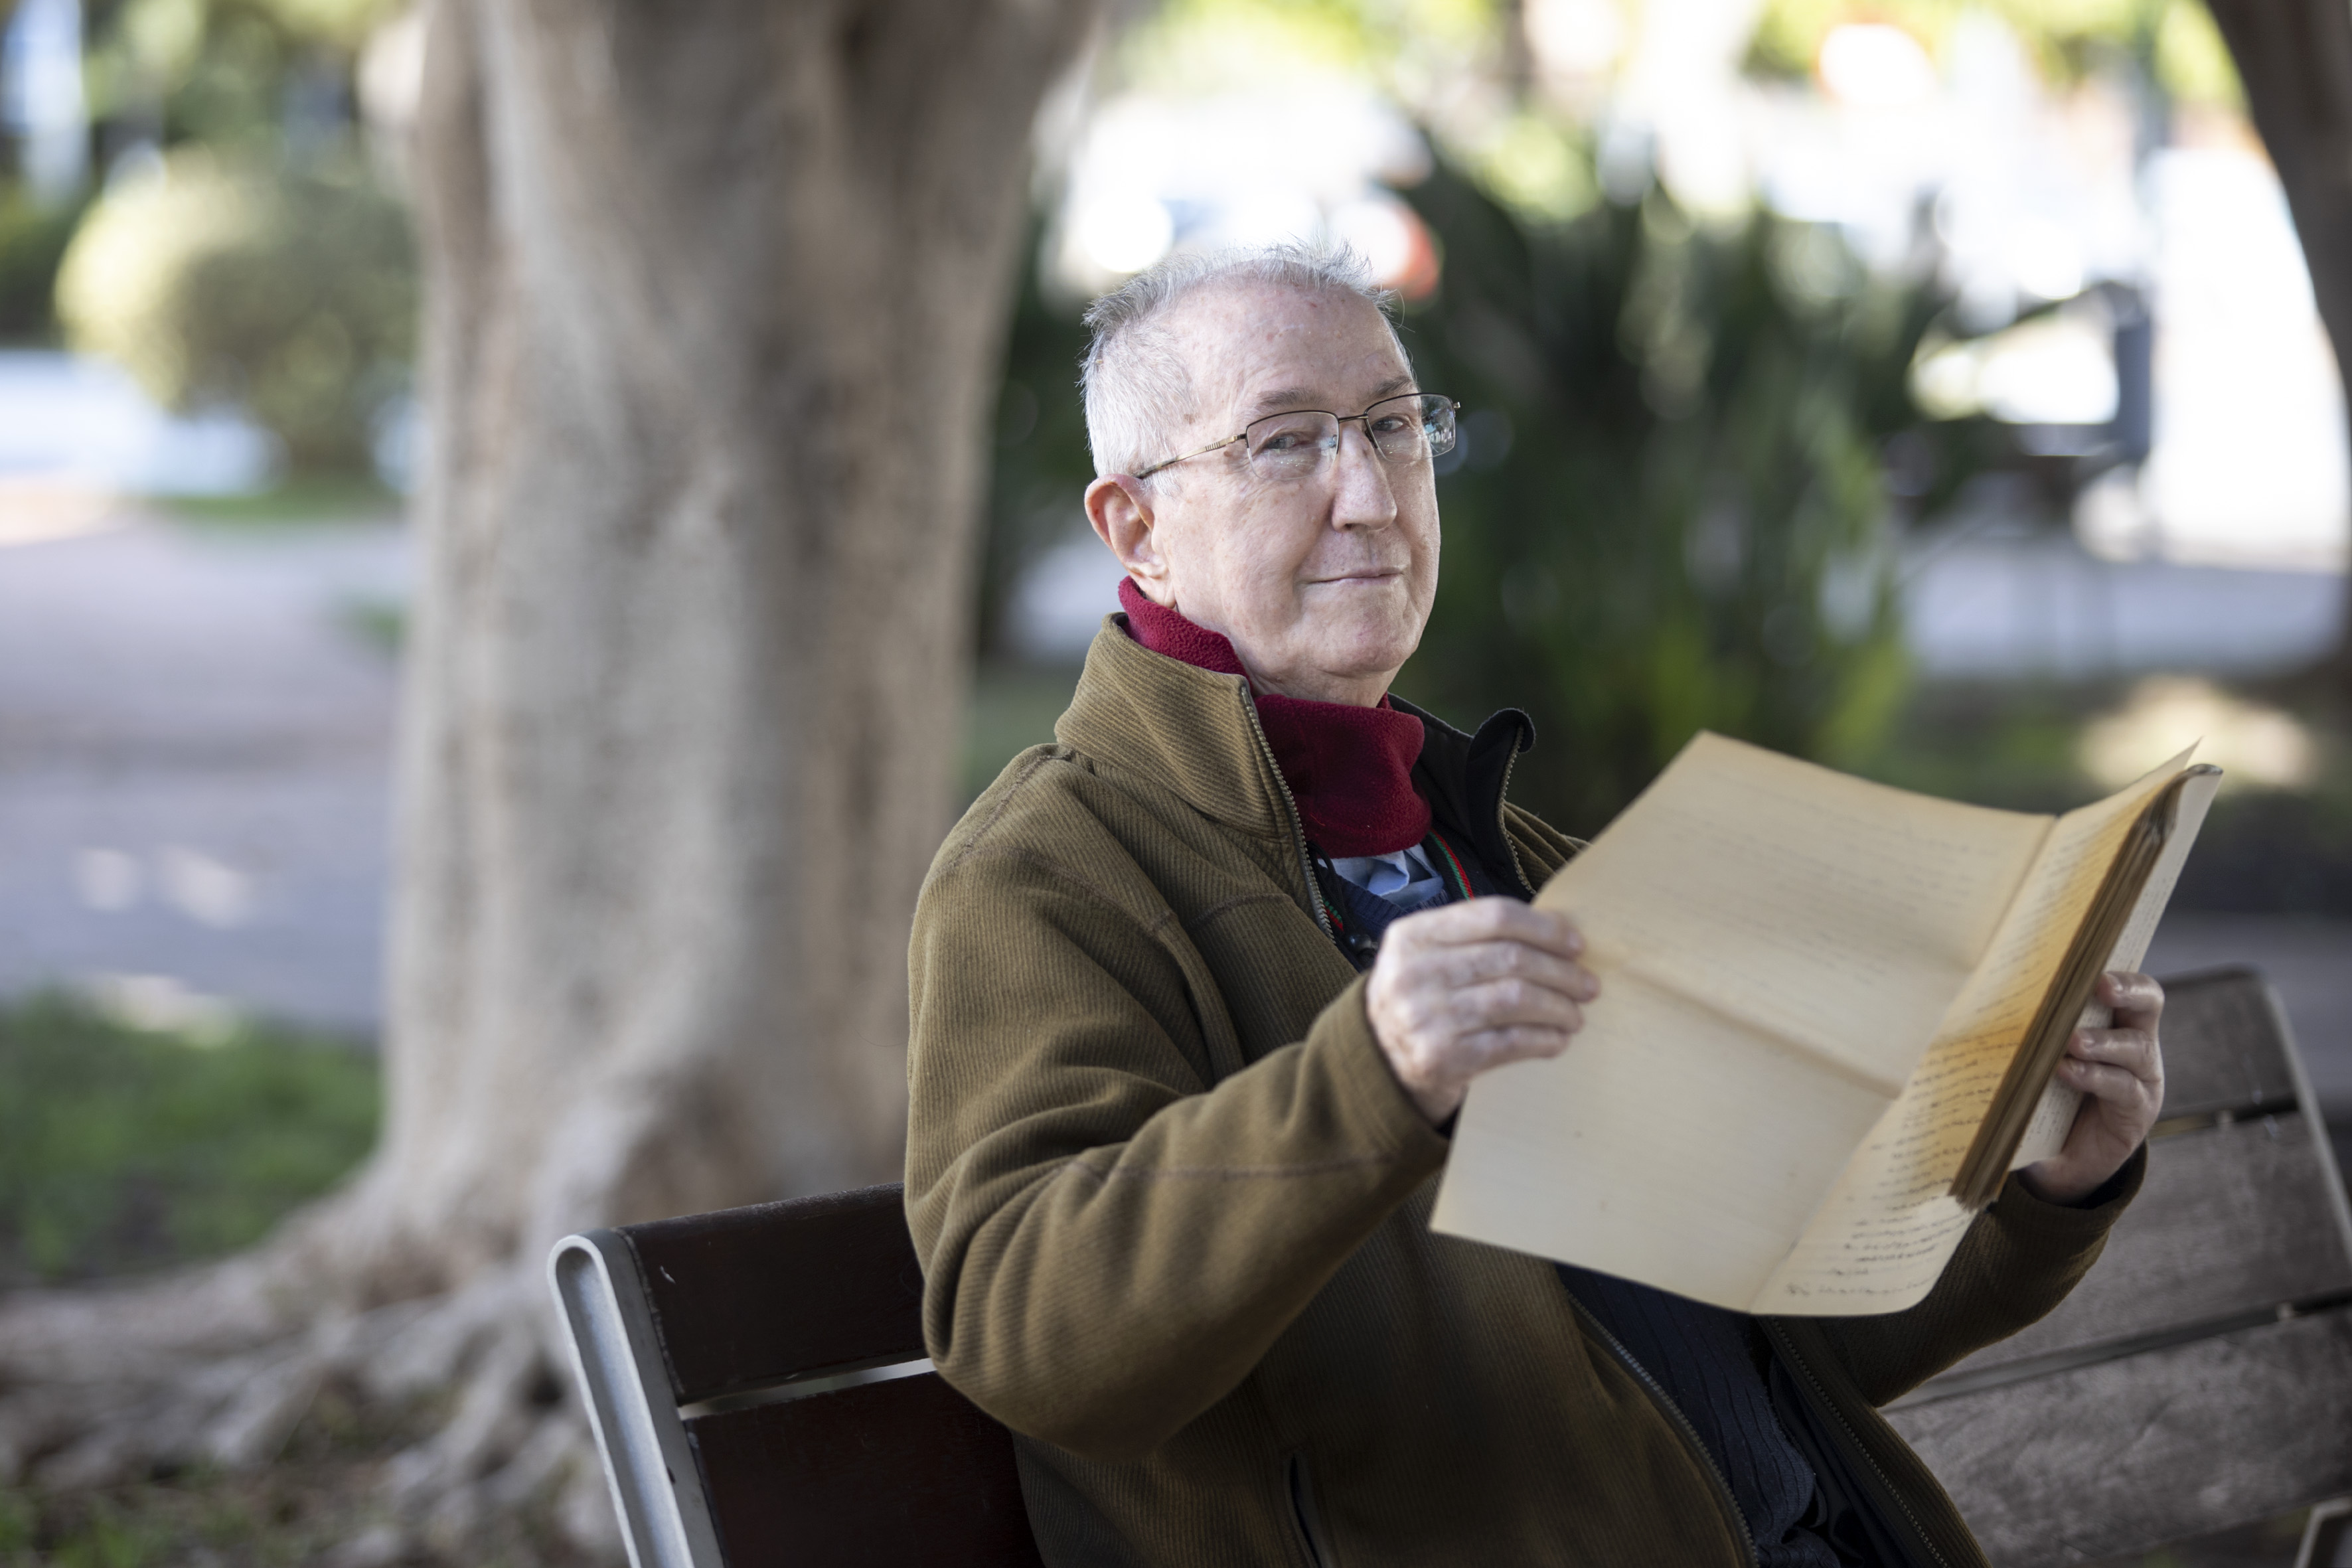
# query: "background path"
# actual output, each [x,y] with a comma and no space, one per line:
[194,743]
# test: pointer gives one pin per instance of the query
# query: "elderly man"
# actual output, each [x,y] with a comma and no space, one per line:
[1197,989]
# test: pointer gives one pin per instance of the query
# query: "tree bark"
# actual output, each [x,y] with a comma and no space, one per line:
[715,297]
[2294,58]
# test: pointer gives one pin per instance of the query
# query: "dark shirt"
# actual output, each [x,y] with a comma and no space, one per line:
[1712,1368]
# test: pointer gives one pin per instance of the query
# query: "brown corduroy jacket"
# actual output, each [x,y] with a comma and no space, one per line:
[1173,1209]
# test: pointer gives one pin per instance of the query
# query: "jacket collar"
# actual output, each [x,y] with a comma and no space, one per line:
[1191,730]
[1196,733]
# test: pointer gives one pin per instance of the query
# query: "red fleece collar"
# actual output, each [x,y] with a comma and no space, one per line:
[1350,768]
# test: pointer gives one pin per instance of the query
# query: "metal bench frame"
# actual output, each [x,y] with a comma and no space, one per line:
[616,1351]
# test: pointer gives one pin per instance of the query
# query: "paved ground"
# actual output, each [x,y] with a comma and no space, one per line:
[2029,604]
[194,748]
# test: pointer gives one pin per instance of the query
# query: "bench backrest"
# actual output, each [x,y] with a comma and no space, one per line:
[730,1364]
[2200,1376]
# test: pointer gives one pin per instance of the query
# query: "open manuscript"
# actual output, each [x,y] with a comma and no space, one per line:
[1829,1019]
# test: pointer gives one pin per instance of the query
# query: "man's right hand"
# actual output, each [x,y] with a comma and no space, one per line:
[1469,986]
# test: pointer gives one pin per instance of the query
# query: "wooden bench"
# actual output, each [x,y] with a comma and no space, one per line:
[2198,1379]
[730,1361]
[2200,1376]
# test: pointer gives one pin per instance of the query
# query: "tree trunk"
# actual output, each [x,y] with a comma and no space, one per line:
[715,310]
[714,299]
[2294,58]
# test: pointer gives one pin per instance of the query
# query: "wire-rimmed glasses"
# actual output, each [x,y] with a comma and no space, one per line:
[1412,428]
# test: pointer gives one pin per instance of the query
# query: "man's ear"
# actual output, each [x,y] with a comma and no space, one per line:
[1119,508]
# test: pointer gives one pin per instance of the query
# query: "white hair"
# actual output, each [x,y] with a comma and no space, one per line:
[1136,384]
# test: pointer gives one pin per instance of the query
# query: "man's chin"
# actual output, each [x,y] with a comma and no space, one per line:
[1370,653]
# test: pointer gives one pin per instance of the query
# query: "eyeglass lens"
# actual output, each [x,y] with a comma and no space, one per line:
[1405,430]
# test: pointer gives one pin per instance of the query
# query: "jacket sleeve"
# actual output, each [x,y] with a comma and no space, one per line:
[2016,1262]
[1109,1242]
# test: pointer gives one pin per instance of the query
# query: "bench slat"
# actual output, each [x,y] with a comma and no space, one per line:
[2233,1219]
[2223,1046]
[880,1474]
[2128,1454]
[751,1296]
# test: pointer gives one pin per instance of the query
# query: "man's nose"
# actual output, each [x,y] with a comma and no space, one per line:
[1359,480]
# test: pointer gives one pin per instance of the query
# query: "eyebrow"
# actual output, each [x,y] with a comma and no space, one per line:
[1285,399]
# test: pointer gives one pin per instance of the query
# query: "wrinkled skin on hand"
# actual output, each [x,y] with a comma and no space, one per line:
[1469,986]
[2120,1070]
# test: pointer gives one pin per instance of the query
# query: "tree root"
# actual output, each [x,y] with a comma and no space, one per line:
[216,1368]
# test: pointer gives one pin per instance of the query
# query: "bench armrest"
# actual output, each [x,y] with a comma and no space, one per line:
[657,1483]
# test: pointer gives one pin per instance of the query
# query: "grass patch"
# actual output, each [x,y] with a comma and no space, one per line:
[297,500]
[381,625]
[1012,708]
[2012,746]
[124,1149]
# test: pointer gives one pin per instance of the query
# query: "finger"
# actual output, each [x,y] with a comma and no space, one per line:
[1506,959]
[1490,1048]
[1502,1004]
[1496,919]
[2133,1051]
[2113,1085]
[2137,1000]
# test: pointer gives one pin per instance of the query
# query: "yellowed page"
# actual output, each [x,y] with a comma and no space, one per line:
[1889,1227]
[1839,916]
[1775,943]
[1668,1145]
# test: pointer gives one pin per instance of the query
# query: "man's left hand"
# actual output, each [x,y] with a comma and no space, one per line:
[2120,1071]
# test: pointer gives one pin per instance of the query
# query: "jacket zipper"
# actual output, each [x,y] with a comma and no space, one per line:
[1298,833]
[1503,826]
[1854,1441]
[1681,1422]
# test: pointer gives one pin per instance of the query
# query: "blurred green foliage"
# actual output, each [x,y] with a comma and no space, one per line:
[124,1148]
[1672,508]
[258,258]
[2173,42]
[244,74]
[290,291]
[1041,463]
[1408,46]
[33,240]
